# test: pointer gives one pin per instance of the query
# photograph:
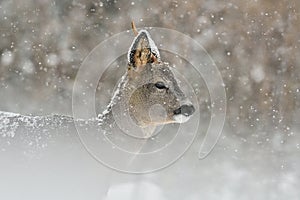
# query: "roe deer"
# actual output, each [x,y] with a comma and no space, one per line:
[149,82]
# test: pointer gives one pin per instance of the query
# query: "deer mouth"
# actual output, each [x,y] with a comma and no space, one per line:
[183,113]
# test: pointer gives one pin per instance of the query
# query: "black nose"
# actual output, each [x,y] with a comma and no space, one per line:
[185,110]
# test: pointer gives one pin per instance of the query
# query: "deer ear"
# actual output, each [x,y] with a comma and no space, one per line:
[142,51]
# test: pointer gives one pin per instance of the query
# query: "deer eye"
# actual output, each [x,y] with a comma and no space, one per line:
[160,85]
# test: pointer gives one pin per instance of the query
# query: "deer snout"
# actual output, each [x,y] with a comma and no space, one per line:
[185,110]
[183,113]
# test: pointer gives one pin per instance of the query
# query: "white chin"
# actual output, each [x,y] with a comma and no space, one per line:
[181,118]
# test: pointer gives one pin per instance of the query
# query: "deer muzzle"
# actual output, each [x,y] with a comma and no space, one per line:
[183,113]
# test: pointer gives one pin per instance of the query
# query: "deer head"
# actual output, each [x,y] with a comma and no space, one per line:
[153,94]
[148,94]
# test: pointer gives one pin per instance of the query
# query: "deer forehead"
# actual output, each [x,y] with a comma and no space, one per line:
[162,72]
[153,72]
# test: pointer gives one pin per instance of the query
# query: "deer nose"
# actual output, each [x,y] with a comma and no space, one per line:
[185,110]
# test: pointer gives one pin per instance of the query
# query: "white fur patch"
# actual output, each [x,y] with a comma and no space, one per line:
[181,118]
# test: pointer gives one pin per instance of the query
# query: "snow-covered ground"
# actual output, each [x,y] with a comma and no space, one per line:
[255,45]
[52,163]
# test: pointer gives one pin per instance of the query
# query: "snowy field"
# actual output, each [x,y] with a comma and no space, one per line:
[256,46]
[40,160]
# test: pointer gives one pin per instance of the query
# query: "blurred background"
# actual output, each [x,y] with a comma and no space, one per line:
[255,44]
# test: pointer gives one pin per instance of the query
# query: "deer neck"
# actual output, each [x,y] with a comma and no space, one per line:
[106,118]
